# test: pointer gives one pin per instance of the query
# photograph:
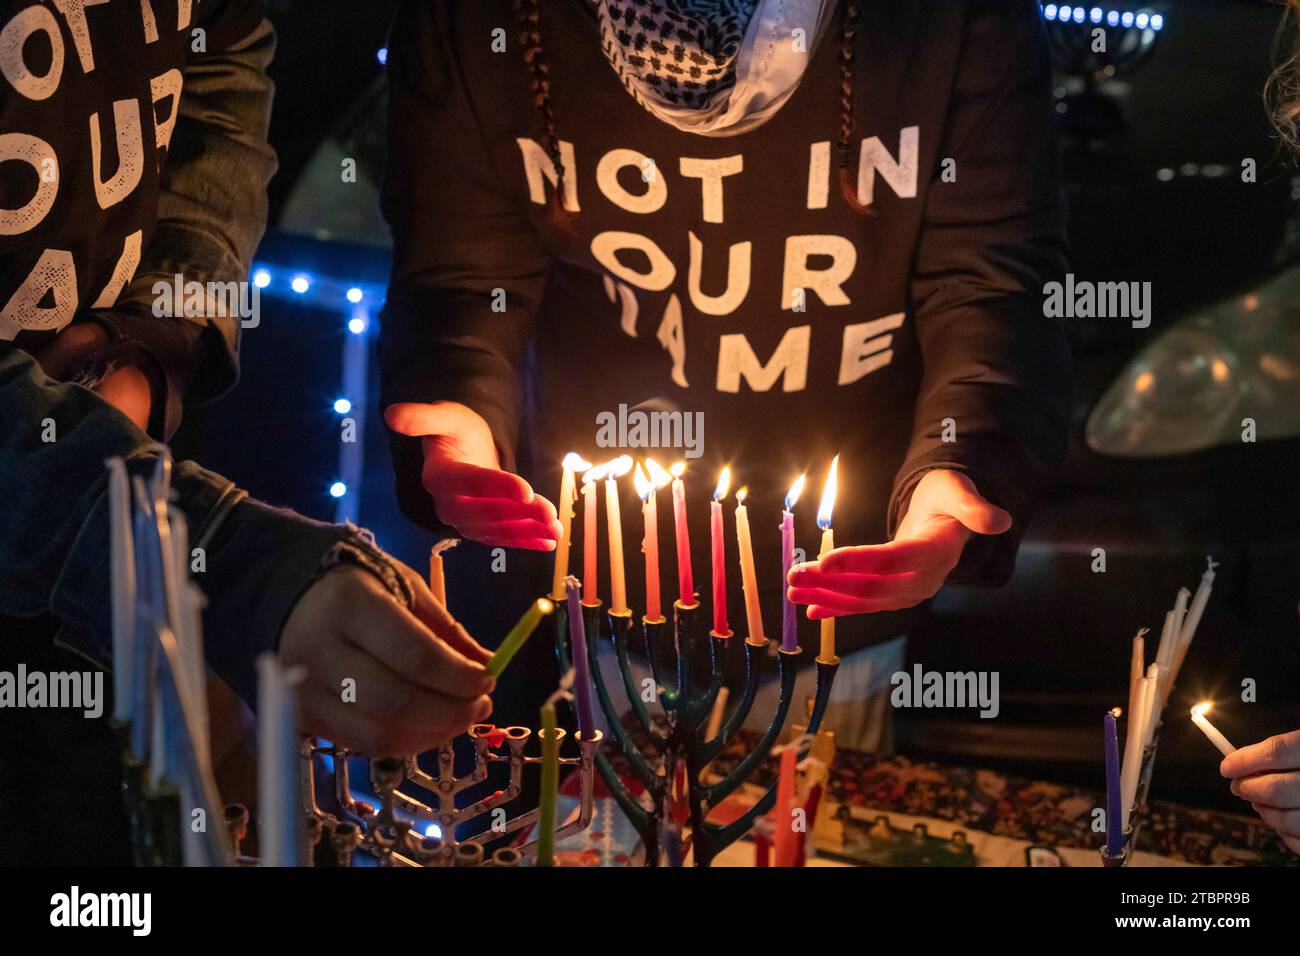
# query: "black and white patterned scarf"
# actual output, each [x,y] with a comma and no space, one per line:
[714,67]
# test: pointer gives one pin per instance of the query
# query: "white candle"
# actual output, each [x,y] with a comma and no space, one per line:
[1210,731]
[573,463]
[279,805]
[122,572]
[1132,751]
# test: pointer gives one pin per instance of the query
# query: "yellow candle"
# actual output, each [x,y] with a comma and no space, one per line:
[437,575]
[828,545]
[617,580]
[748,579]
[828,623]
[568,495]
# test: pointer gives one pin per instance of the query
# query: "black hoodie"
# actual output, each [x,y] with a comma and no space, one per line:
[921,342]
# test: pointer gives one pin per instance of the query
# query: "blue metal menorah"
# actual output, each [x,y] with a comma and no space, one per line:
[679,740]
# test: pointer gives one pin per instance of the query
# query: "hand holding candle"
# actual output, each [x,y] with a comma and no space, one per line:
[1268,775]
[719,552]
[945,510]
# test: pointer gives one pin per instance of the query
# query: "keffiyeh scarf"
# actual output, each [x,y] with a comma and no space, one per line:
[714,67]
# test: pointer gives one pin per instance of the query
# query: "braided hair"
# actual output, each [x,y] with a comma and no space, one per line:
[528,15]
[844,145]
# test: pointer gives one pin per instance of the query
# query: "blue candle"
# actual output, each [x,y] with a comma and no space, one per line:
[1114,810]
[582,670]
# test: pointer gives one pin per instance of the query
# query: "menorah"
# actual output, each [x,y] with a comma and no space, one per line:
[390,832]
[680,746]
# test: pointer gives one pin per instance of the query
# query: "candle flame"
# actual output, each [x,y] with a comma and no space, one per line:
[643,486]
[678,469]
[724,485]
[828,495]
[792,495]
[657,474]
[1116,712]
[545,606]
[1203,708]
[742,494]
[619,467]
[575,462]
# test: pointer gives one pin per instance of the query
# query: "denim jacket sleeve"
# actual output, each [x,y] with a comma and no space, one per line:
[54,544]
[212,207]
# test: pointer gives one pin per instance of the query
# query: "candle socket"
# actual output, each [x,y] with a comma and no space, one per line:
[1118,859]
[236,815]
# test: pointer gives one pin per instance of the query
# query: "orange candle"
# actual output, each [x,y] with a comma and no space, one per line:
[568,494]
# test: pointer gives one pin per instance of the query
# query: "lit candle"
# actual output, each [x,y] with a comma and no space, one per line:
[122,573]
[550,784]
[647,487]
[719,554]
[685,581]
[748,577]
[589,535]
[828,545]
[581,667]
[1114,801]
[1207,728]
[437,574]
[568,495]
[518,635]
[783,841]
[613,515]
[789,621]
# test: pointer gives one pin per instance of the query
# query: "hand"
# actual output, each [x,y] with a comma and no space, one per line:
[463,475]
[126,388]
[419,678]
[945,510]
[1268,775]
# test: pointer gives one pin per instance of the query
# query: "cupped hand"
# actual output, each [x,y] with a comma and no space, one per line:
[1268,775]
[463,474]
[125,388]
[945,510]
[379,678]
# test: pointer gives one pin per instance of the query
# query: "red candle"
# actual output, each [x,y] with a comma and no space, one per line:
[685,581]
[719,554]
[783,836]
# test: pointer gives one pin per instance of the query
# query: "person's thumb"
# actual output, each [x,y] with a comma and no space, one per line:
[417,419]
[977,513]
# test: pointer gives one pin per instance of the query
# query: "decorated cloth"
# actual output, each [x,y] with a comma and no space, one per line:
[713,67]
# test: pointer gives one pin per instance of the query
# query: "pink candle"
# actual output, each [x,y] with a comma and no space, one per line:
[719,554]
[789,619]
[685,581]
[589,541]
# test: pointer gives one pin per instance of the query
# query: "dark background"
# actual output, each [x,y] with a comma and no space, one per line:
[1058,634]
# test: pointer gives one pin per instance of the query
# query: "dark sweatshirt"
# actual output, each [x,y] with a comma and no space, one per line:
[921,342]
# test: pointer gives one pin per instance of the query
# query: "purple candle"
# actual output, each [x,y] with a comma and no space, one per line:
[1114,811]
[582,671]
[789,620]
